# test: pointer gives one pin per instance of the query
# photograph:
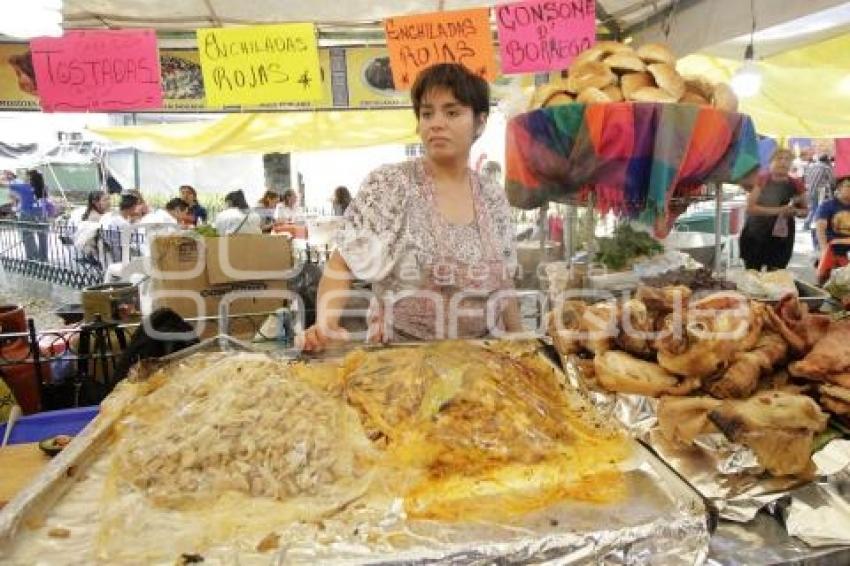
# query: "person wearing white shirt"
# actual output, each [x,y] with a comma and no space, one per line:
[118,226]
[287,211]
[237,218]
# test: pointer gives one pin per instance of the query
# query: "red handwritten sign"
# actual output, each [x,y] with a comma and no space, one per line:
[544,35]
[419,41]
[97,70]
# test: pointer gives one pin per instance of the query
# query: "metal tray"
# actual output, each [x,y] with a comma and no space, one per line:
[662,521]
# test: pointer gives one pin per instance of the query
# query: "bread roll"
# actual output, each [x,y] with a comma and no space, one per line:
[656,53]
[613,47]
[592,95]
[550,94]
[599,51]
[724,98]
[592,74]
[634,81]
[652,94]
[668,78]
[624,63]
[614,93]
[558,99]
[694,98]
[700,86]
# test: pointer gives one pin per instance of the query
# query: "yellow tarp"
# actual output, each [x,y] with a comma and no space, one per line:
[263,133]
[805,92]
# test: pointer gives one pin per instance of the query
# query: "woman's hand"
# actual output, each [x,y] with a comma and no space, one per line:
[788,211]
[319,336]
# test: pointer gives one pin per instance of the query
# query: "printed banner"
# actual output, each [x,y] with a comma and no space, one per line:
[419,41]
[367,76]
[544,35]
[183,83]
[245,66]
[97,70]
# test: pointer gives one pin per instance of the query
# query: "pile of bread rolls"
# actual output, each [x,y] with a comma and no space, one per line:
[613,72]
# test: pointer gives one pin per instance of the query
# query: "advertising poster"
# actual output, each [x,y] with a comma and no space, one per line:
[18,88]
[370,79]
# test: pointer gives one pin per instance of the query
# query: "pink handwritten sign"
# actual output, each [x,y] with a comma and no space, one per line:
[97,70]
[544,35]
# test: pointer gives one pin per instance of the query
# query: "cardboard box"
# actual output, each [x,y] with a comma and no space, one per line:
[194,275]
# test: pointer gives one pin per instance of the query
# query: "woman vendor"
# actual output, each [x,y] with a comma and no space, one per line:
[433,238]
[767,239]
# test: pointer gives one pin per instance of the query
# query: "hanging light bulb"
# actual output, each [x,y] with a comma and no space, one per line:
[33,18]
[746,81]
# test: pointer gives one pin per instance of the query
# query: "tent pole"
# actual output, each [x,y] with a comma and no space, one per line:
[136,174]
[718,225]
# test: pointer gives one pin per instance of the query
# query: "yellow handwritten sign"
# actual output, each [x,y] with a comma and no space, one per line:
[260,64]
[459,36]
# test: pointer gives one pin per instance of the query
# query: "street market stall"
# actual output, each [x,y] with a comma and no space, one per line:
[622,433]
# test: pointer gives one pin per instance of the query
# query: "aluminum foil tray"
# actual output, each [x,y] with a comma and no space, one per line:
[662,520]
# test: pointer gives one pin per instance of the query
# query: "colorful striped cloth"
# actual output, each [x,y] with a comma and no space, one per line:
[632,157]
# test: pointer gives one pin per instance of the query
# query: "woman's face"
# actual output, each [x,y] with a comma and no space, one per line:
[187,195]
[780,165]
[272,201]
[290,200]
[447,127]
[102,204]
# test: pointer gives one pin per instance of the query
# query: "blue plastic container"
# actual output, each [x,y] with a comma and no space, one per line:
[34,428]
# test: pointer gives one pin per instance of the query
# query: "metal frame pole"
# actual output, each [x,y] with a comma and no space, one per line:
[718,225]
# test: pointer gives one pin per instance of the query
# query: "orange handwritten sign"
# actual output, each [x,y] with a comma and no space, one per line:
[419,41]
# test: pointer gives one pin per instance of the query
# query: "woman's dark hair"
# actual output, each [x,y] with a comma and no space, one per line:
[287,195]
[191,189]
[268,196]
[36,181]
[468,88]
[176,203]
[342,198]
[236,199]
[91,202]
[128,201]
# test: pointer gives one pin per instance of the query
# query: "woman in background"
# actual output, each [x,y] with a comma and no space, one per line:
[287,210]
[97,204]
[341,200]
[767,240]
[190,196]
[266,207]
[237,217]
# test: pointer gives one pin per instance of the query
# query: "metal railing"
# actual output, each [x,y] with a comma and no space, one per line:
[77,366]
[47,251]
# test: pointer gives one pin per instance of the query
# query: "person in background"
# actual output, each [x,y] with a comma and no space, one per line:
[832,228]
[492,170]
[117,227]
[142,208]
[341,200]
[175,213]
[819,180]
[287,210]
[97,204]
[433,237]
[237,217]
[266,208]
[767,240]
[31,206]
[190,196]
[87,223]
